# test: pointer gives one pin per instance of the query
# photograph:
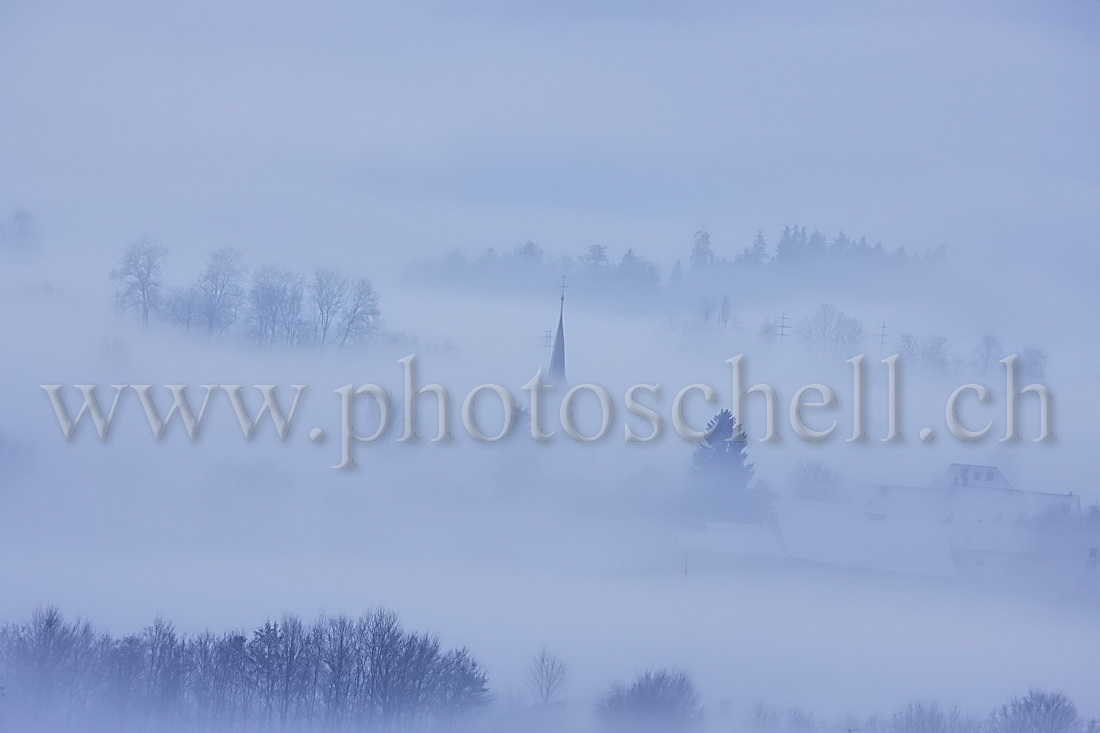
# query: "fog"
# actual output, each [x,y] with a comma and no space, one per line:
[917,180]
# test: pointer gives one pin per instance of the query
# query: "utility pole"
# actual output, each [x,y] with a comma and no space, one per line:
[782,329]
[883,332]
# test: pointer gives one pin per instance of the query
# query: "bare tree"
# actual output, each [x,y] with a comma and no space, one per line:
[361,316]
[920,717]
[1036,712]
[986,355]
[163,673]
[1032,365]
[934,355]
[183,306]
[329,292]
[275,303]
[764,719]
[813,480]
[908,348]
[656,702]
[338,652]
[801,720]
[849,335]
[546,676]
[706,311]
[139,277]
[463,688]
[220,290]
[725,312]
[828,330]
[819,326]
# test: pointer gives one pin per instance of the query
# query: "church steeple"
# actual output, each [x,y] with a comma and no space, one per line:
[557,357]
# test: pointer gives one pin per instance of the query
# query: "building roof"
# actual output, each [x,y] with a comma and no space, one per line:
[965,474]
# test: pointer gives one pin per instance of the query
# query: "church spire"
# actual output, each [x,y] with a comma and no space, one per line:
[557,357]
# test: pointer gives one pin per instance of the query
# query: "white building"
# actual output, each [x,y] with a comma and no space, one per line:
[969,522]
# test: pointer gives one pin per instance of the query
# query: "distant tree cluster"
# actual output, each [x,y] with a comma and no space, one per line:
[337,674]
[933,354]
[631,279]
[829,332]
[271,306]
[795,249]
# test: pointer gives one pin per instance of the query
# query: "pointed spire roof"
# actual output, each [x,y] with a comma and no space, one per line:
[557,357]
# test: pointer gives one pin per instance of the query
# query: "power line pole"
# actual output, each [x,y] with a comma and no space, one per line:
[883,332]
[782,328]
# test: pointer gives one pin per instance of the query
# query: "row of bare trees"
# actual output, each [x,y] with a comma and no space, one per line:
[272,306]
[337,674]
[369,674]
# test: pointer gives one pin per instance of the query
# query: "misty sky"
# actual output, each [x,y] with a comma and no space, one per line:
[363,130]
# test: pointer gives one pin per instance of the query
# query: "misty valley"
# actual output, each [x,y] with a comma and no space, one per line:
[599,367]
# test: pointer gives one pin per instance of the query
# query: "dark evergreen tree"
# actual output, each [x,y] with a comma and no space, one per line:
[723,474]
[755,254]
[702,255]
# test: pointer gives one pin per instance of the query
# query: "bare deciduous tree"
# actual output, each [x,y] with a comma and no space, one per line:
[546,676]
[707,308]
[986,355]
[813,480]
[1036,712]
[139,277]
[725,312]
[275,304]
[934,355]
[661,701]
[360,318]
[828,330]
[329,293]
[1032,365]
[220,290]
[183,306]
